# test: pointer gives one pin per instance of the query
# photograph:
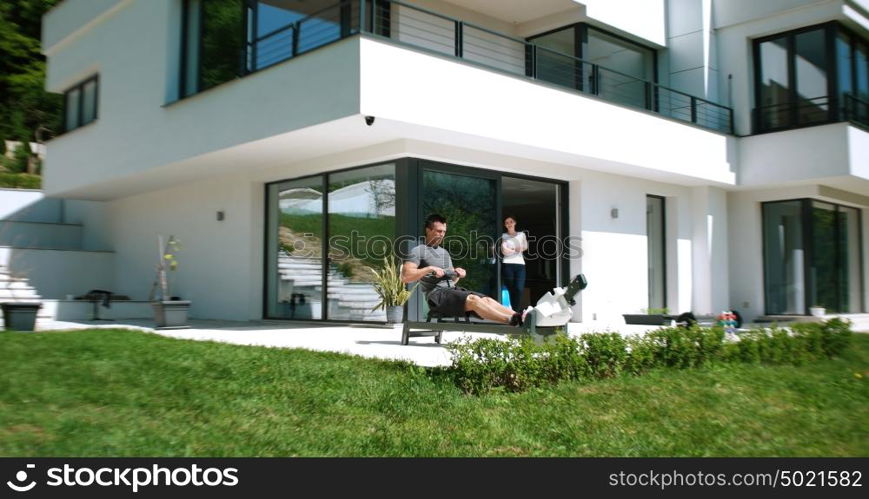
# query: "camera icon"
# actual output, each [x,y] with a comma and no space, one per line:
[21,477]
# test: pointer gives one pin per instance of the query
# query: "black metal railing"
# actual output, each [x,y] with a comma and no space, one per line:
[317,29]
[855,110]
[810,112]
[425,29]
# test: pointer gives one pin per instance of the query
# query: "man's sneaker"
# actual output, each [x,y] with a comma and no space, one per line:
[524,319]
[516,320]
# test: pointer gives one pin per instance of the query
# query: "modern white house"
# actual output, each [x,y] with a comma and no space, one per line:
[698,155]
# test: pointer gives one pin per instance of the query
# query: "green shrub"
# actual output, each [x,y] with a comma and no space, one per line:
[605,354]
[20,180]
[837,336]
[641,354]
[518,364]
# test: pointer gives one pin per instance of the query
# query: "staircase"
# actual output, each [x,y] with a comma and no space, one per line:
[43,257]
[350,301]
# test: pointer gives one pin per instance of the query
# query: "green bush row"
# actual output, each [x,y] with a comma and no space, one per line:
[518,364]
[20,180]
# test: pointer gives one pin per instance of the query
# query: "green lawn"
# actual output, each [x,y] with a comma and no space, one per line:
[124,393]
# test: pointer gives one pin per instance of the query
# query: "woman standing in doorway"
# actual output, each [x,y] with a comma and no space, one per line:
[513,243]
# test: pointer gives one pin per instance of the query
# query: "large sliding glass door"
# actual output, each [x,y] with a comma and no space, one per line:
[811,257]
[324,232]
[474,202]
[784,258]
[470,205]
[361,231]
[295,249]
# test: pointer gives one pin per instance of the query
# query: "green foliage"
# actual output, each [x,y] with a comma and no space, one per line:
[222,28]
[468,205]
[20,180]
[388,285]
[605,354]
[117,393]
[19,161]
[26,106]
[516,365]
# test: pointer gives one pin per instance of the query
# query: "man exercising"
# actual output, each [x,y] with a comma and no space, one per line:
[430,264]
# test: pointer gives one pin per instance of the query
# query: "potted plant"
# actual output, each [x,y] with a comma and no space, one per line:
[652,317]
[817,310]
[169,311]
[392,292]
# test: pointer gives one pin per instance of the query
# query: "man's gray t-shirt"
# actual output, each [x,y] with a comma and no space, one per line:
[423,256]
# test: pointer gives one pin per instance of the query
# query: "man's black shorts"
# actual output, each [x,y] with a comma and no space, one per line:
[449,301]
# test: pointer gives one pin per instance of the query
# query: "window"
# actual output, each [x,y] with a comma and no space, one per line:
[656,243]
[343,222]
[612,67]
[810,76]
[225,39]
[80,104]
[812,256]
[212,43]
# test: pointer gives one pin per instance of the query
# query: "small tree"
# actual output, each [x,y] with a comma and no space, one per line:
[166,261]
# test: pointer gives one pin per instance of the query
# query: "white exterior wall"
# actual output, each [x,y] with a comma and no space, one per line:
[219,263]
[615,250]
[710,250]
[561,126]
[28,205]
[643,18]
[813,153]
[692,48]
[57,273]
[134,54]
[737,23]
[25,205]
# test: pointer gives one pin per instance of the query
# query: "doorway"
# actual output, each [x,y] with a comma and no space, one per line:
[534,205]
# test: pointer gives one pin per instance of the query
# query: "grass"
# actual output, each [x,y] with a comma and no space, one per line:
[126,393]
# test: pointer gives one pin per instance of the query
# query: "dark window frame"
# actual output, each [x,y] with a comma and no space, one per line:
[408,218]
[80,112]
[831,31]
[808,249]
[580,36]
[663,247]
[400,164]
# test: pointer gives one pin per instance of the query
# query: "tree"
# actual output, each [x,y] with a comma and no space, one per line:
[25,106]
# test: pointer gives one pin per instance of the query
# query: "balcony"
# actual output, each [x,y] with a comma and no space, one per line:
[412,26]
[812,112]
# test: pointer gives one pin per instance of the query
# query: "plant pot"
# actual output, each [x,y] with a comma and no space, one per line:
[395,314]
[20,316]
[647,319]
[171,313]
[817,311]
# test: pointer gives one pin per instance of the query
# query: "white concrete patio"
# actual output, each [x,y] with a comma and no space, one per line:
[380,342]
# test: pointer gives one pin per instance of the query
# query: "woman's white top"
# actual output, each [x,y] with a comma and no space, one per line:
[517,243]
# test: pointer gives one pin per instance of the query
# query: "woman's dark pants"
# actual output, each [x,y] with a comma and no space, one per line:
[514,279]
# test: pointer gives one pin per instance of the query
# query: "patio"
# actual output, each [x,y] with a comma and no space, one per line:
[371,341]
[380,342]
